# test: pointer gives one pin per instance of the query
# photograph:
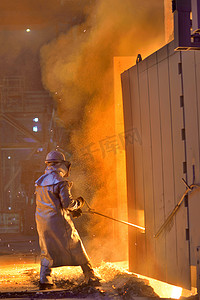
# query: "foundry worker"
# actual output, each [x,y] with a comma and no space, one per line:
[59,241]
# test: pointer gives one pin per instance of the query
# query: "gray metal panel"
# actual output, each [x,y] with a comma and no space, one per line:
[147,169]
[140,245]
[142,66]
[162,54]
[191,84]
[154,92]
[168,167]
[157,171]
[152,60]
[170,48]
[128,126]
[182,272]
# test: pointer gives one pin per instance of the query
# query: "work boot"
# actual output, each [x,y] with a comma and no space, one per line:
[46,281]
[90,277]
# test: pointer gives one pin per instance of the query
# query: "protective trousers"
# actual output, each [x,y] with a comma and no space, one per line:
[45,272]
[88,272]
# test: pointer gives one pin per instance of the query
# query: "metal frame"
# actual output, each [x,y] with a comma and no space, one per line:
[186,30]
[17,105]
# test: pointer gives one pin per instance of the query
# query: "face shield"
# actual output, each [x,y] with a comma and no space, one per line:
[67,164]
[65,167]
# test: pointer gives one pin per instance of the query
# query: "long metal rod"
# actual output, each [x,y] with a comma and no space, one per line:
[120,221]
[92,211]
[189,189]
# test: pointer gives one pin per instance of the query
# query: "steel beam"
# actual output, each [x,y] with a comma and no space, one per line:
[19,127]
[18,171]
[20,146]
[195,16]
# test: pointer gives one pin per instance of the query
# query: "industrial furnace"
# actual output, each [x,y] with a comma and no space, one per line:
[161,98]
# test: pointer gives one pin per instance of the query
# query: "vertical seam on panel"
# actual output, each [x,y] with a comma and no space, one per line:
[195,68]
[151,154]
[185,148]
[170,104]
[131,123]
[179,74]
[142,160]
[133,141]
[133,150]
[161,152]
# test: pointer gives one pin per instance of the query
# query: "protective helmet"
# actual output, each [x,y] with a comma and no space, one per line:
[55,156]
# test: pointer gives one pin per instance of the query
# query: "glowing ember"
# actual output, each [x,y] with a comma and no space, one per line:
[165,290]
[176,292]
[15,277]
[116,281]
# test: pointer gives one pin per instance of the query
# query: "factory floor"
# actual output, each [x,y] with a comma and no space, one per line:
[19,276]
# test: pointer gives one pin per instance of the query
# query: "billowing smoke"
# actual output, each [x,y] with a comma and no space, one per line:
[77,68]
[19,49]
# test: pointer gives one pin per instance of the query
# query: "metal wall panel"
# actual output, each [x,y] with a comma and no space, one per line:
[157,166]
[139,262]
[181,269]
[191,93]
[128,125]
[147,166]
[169,238]
[155,88]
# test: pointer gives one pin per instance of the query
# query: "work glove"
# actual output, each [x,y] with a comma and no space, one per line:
[81,201]
[76,213]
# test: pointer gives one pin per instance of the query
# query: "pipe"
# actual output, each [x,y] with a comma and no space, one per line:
[189,189]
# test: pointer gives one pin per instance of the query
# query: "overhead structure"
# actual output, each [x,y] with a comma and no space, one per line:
[186,24]
[28,125]
[21,148]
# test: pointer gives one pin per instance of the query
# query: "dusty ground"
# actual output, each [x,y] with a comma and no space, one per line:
[21,280]
[19,276]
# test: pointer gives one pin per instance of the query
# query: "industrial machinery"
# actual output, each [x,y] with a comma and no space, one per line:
[161,96]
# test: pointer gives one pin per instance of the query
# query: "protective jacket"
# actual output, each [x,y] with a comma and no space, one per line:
[60,243]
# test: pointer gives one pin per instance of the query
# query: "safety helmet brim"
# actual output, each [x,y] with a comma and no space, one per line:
[57,157]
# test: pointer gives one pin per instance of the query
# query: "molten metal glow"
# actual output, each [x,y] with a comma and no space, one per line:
[24,276]
[164,290]
[176,292]
[14,277]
